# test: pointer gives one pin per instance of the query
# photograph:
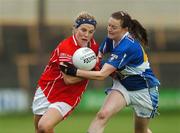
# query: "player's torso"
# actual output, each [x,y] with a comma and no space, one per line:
[132,64]
[52,81]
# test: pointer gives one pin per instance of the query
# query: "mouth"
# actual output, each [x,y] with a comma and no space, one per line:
[109,33]
[84,42]
[84,39]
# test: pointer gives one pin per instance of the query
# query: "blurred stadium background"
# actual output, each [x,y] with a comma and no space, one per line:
[31,29]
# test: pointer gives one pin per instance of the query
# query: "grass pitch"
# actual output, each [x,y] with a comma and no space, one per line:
[167,122]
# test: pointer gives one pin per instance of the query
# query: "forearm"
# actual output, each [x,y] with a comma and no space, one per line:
[95,75]
[74,80]
[68,80]
[106,70]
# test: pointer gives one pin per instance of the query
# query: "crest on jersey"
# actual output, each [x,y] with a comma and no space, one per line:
[113,57]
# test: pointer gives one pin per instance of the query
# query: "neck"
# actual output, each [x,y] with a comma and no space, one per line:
[117,40]
[84,45]
[120,37]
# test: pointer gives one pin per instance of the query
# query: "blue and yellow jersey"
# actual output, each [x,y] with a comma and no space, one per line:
[131,61]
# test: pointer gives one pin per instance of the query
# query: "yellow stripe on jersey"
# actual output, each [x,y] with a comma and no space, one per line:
[144,55]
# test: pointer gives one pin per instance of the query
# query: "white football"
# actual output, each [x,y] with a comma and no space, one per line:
[84,58]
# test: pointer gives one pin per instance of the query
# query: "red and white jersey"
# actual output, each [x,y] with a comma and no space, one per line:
[51,80]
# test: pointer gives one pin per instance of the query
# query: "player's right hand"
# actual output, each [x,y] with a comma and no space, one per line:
[68,68]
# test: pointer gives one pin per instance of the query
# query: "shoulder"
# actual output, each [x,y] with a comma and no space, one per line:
[130,38]
[130,43]
[128,46]
[94,45]
[64,44]
[107,40]
[66,41]
[107,45]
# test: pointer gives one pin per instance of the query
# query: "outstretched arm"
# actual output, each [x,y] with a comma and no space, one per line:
[97,75]
[106,70]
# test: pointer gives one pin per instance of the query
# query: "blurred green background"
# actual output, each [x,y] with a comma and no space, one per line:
[31,29]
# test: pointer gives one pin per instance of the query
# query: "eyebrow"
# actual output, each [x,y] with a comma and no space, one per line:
[114,25]
[87,28]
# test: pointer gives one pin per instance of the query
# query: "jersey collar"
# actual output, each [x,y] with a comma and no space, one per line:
[114,45]
[75,41]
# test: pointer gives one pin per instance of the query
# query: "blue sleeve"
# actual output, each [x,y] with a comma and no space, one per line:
[106,46]
[120,57]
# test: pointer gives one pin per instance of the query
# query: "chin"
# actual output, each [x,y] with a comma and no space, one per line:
[110,36]
[84,44]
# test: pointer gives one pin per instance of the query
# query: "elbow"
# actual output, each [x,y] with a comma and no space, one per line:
[101,76]
[68,82]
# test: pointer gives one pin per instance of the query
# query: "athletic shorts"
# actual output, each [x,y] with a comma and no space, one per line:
[40,104]
[144,102]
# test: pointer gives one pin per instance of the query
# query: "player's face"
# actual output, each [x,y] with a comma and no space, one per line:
[84,33]
[115,31]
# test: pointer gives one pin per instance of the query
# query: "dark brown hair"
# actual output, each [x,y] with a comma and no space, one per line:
[134,27]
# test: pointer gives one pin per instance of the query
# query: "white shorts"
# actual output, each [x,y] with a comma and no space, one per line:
[40,104]
[144,102]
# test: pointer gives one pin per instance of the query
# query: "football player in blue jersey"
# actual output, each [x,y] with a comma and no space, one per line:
[134,83]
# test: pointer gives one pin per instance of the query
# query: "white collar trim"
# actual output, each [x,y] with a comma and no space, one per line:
[114,45]
[75,40]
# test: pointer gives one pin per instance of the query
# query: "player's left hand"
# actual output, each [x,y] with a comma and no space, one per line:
[68,69]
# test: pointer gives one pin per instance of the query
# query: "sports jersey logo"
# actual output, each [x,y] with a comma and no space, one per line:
[113,57]
[65,57]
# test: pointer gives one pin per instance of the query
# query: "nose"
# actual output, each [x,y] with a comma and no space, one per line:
[86,34]
[109,28]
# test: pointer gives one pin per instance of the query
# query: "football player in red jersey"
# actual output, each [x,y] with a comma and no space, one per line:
[58,94]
